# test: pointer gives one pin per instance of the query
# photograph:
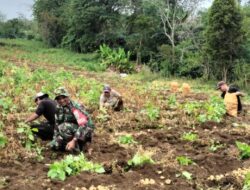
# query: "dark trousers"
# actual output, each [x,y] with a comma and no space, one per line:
[118,106]
[45,130]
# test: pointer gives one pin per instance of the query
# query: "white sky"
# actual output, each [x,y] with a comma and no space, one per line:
[13,8]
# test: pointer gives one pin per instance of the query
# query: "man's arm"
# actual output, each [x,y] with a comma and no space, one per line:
[102,102]
[39,111]
[240,94]
[116,94]
[33,117]
[235,89]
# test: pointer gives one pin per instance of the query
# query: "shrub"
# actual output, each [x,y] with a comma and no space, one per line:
[116,58]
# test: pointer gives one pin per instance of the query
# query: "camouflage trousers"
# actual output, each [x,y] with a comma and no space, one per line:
[65,132]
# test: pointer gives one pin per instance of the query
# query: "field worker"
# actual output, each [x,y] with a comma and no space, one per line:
[74,128]
[111,99]
[224,88]
[47,108]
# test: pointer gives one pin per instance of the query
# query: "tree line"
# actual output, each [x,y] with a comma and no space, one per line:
[172,37]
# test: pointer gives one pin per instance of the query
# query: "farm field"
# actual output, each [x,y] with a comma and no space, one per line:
[161,140]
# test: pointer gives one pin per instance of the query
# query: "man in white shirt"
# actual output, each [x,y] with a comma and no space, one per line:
[111,99]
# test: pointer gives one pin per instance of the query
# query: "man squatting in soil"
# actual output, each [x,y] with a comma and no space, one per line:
[224,88]
[111,99]
[73,126]
[47,108]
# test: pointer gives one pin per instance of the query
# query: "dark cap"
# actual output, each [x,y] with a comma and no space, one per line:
[106,88]
[219,84]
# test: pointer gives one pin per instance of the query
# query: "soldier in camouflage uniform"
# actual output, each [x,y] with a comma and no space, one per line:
[73,127]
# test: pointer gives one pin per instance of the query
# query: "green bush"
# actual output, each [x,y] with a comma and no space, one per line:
[116,58]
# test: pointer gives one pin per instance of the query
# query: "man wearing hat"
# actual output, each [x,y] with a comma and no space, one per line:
[73,128]
[111,99]
[224,88]
[47,108]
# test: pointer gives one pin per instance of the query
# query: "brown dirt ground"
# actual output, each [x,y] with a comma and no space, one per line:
[19,172]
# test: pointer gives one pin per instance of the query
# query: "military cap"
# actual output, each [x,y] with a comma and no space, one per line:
[61,91]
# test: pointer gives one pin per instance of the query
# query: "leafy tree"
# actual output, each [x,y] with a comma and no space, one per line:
[12,29]
[89,24]
[49,15]
[143,27]
[224,37]
[173,14]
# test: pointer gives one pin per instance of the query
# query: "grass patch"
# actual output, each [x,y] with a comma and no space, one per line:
[37,52]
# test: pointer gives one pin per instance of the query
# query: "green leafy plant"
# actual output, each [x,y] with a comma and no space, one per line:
[192,108]
[103,115]
[244,149]
[212,110]
[140,159]
[215,146]
[91,95]
[189,136]
[28,138]
[184,161]
[117,58]
[6,104]
[187,175]
[126,139]
[247,182]
[3,140]
[152,112]
[39,151]
[172,102]
[72,165]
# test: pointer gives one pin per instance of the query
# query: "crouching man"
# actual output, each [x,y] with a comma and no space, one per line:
[231,96]
[47,108]
[73,128]
[111,99]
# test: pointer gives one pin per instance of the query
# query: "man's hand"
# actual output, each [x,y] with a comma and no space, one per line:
[240,94]
[71,144]
[107,105]
[33,117]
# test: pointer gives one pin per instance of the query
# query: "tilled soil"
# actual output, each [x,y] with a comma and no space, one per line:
[167,144]
[210,170]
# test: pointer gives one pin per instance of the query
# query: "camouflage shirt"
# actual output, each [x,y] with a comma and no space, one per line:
[65,115]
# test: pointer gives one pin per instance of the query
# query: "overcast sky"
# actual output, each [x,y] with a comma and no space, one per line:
[13,8]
